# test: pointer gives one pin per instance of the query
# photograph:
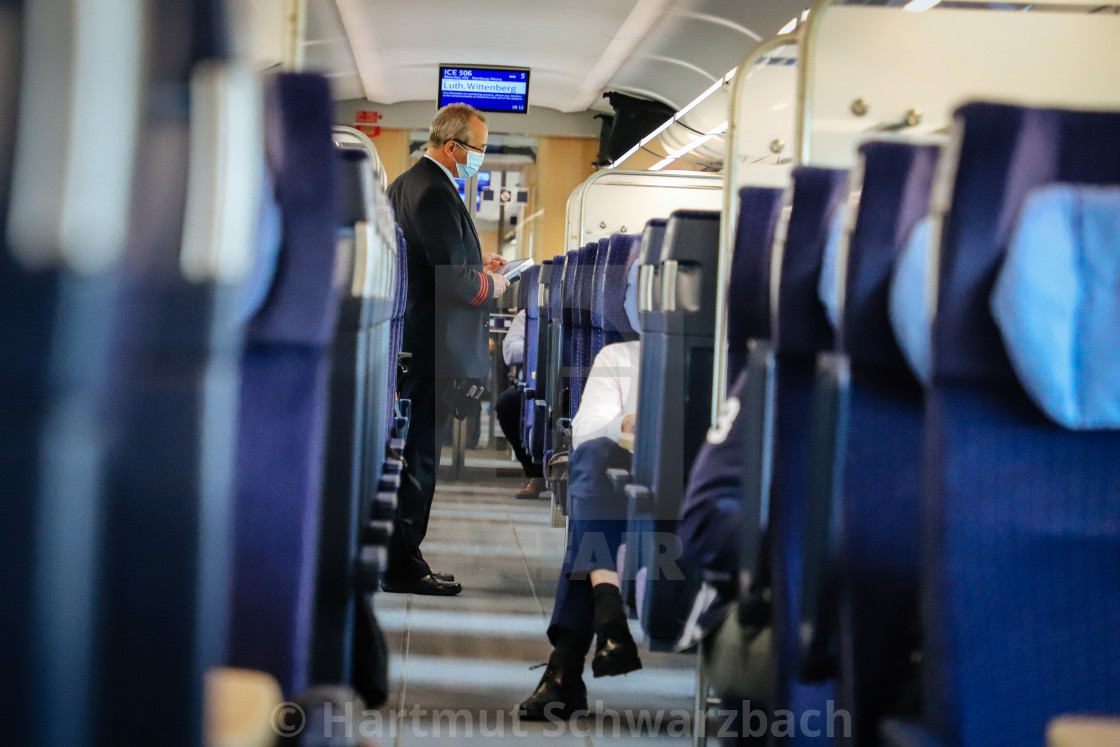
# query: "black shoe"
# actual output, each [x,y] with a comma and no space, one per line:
[614,656]
[560,694]
[532,489]
[446,577]
[429,585]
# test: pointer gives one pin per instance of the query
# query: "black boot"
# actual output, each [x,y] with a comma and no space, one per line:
[615,650]
[561,691]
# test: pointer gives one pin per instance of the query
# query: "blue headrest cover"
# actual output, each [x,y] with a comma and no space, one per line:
[911,309]
[1005,152]
[1057,304]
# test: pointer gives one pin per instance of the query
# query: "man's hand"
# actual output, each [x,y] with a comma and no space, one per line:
[493,262]
[501,282]
[630,423]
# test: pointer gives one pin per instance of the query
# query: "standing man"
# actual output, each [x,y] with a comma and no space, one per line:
[451,284]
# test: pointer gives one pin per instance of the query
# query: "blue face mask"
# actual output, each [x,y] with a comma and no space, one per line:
[630,302]
[473,164]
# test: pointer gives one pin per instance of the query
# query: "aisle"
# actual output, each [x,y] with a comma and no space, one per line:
[461,664]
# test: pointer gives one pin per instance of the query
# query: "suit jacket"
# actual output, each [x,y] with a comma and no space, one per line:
[447,317]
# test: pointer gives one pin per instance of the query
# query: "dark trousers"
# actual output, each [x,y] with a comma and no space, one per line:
[431,421]
[508,410]
[596,522]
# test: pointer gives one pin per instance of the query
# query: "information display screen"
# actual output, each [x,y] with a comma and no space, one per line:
[488,89]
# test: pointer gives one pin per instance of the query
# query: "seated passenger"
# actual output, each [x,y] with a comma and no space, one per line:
[588,601]
[508,410]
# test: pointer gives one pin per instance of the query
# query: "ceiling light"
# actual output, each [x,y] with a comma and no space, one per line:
[918,6]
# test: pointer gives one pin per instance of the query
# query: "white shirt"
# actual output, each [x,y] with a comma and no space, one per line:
[513,346]
[611,393]
[449,174]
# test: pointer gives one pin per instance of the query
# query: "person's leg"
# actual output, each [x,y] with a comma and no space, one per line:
[508,410]
[418,479]
[597,514]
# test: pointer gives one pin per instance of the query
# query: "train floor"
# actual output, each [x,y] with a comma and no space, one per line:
[461,664]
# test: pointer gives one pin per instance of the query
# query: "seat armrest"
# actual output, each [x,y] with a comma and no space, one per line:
[619,478]
[240,706]
[1083,731]
[640,498]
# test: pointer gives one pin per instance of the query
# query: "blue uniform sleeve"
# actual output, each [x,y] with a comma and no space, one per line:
[710,513]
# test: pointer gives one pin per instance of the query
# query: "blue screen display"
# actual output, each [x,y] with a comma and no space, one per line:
[487,89]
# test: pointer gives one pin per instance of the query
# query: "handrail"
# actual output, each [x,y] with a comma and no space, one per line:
[730,216]
[364,140]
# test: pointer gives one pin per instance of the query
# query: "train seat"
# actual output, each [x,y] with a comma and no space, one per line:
[673,416]
[748,297]
[538,433]
[802,333]
[358,386]
[530,356]
[1018,509]
[608,317]
[866,626]
[283,412]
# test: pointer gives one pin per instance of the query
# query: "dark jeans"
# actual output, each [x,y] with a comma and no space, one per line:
[508,410]
[428,430]
[596,521]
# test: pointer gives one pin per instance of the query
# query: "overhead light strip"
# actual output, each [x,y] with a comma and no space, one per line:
[720,83]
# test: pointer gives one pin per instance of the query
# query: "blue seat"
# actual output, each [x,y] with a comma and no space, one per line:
[1022,517]
[358,411]
[549,282]
[860,592]
[531,349]
[802,332]
[673,417]
[582,356]
[284,397]
[748,299]
[396,343]
[169,425]
[608,318]
[652,350]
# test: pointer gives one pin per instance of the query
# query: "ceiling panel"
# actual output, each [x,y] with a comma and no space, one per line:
[669,50]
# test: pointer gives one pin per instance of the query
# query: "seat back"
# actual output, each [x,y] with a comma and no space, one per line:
[877,553]
[584,297]
[803,331]
[396,328]
[748,302]
[531,348]
[608,316]
[359,382]
[1018,509]
[676,390]
[284,397]
[169,418]
[548,283]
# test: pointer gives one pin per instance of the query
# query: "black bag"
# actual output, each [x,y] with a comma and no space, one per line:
[463,397]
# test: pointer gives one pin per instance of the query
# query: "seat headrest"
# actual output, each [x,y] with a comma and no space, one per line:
[748,302]
[653,236]
[530,280]
[1057,304]
[894,197]
[803,327]
[1004,152]
[302,303]
[608,309]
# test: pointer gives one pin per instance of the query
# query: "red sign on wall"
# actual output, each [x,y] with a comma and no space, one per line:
[369,130]
[366,116]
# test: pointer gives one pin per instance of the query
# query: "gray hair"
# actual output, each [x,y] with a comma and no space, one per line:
[452,122]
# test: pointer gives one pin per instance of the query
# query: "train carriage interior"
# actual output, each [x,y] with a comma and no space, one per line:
[861,482]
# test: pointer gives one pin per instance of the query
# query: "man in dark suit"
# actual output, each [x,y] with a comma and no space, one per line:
[451,287]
